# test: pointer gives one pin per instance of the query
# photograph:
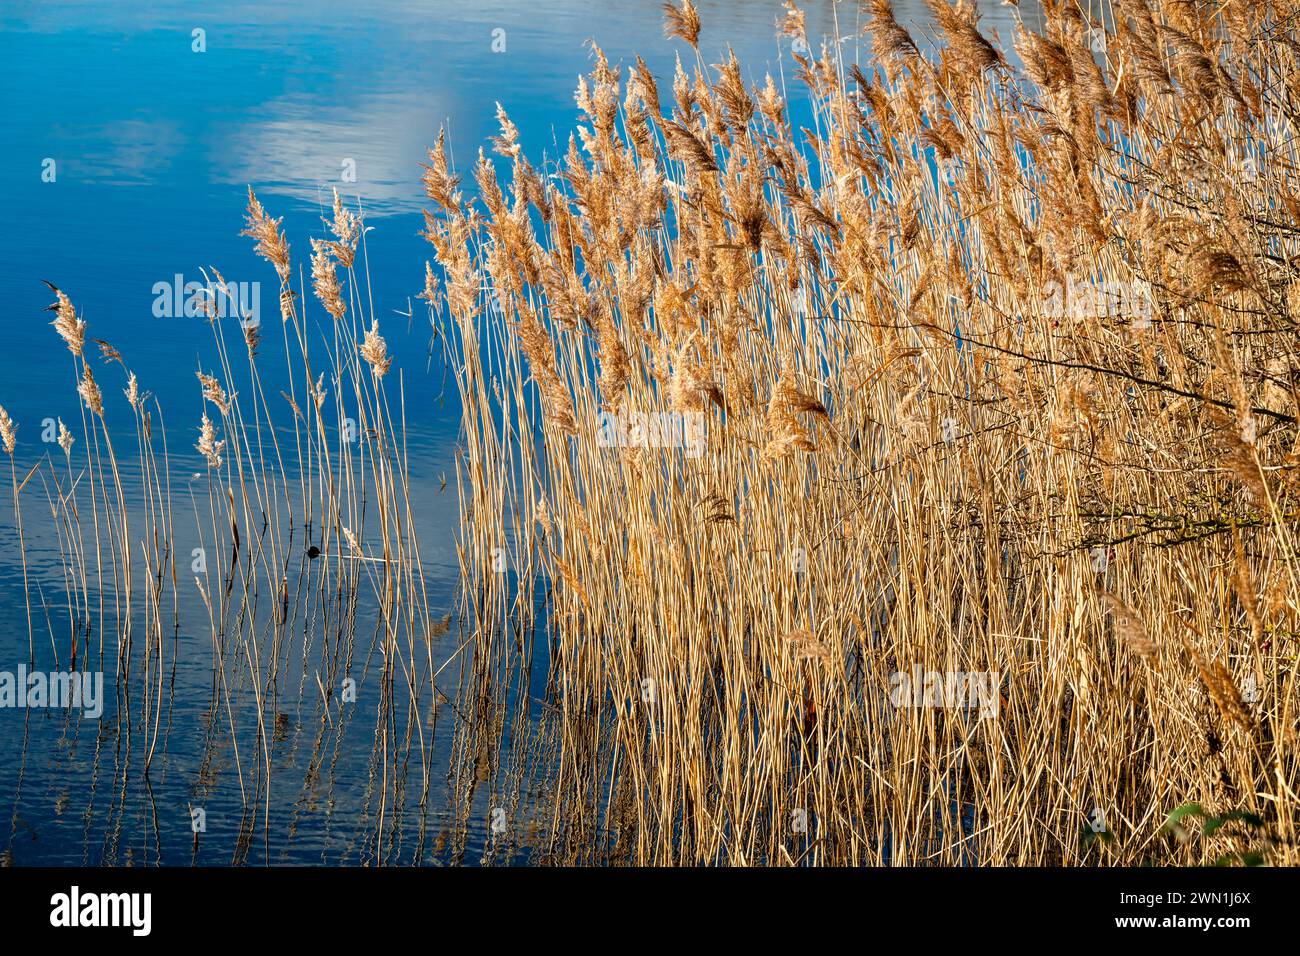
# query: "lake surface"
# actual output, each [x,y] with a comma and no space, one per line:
[131,132]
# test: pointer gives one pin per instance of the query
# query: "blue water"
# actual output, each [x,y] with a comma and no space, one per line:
[127,153]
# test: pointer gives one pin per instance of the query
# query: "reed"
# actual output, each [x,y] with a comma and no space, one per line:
[994,367]
[301,518]
[891,462]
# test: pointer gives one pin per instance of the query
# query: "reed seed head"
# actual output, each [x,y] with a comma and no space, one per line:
[8,431]
[325,279]
[375,351]
[90,393]
[214,393]
[70,328]
[209,447]
[682,21]
[271,244]
[65,438]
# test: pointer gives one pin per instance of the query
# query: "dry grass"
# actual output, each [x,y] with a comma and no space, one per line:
[302,541]
[903,448]
[915,453]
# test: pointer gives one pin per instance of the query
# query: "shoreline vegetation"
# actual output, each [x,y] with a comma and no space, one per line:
[914,487]
[925,447]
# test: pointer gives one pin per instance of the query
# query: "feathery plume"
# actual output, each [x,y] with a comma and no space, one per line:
[70,328]
[208,445]
[214,393]
[325,279]
[90,393]
[65,438]
[346,227]
[8,431]
[682,22]
[271,244]
[375,351]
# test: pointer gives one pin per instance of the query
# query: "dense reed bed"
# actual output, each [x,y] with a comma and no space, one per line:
[987,370]
[883,462]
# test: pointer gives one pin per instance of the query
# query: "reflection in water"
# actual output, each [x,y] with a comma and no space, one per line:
[231,733]
[282,96]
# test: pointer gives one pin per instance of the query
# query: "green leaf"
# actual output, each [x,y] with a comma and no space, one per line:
[1187,809]
[1214,824]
